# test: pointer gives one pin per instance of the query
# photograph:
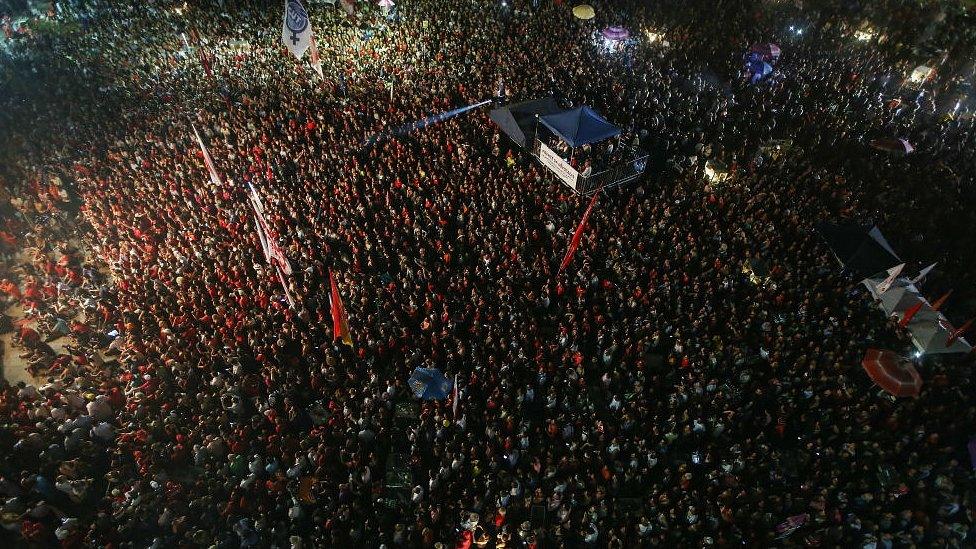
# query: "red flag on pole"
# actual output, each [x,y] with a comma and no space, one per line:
[578,234]
[340,322]
[205,61]
[909,313]
[941,301]
[955,335]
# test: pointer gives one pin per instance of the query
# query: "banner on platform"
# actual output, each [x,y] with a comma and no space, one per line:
[558,166]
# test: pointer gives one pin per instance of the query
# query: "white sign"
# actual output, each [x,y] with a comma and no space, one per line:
[558,166]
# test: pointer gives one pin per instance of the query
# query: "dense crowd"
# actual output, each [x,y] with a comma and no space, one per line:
[651,395]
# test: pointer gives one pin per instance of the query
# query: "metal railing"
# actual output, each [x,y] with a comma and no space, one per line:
[617,174]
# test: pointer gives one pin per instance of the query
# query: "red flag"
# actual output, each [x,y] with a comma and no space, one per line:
[909,313]
[340,322]
[578,234]
[205,61]
[201,52]
[941,301]
[955,335]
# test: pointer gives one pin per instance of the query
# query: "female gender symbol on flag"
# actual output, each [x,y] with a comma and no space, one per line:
[296,31]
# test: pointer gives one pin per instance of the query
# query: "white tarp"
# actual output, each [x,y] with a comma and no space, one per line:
[929,329]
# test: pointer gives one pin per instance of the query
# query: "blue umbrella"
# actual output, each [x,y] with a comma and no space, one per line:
[430,384]
[760,70]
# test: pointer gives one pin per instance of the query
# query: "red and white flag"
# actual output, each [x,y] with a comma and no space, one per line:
[578,234]
[340,321]
[269,242]
[892,275]
[214,177]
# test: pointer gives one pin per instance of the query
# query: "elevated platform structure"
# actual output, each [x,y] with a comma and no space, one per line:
[580,147]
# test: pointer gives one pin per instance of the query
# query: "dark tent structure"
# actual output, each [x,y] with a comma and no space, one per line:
[518,120]
[861,249]
[580,126]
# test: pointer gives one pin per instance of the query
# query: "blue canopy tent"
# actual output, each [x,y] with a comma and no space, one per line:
[430,384]
[579,126]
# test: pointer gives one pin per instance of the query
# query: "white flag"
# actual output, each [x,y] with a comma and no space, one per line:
[263,237]
[316,61]
[923,273]
[455,400]
[206,158]
[255,199]
[892,274]
[296,29]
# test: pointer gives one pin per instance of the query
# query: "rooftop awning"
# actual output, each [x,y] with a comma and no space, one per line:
[580,126]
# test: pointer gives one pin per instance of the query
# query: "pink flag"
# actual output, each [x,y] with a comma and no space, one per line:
[316,61]
[578,234]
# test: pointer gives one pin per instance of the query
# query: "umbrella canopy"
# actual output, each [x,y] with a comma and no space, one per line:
[894,146]
[386,3]
[768,52]
[616,33]
[584,12]
[430,384]
[892,373]
[759,70]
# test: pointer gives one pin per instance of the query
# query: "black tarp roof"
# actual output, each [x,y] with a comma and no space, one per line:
[860,248]
[518,120]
